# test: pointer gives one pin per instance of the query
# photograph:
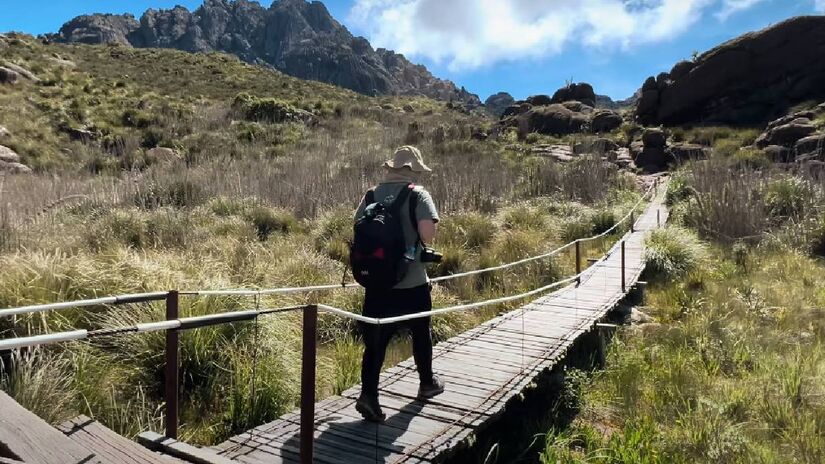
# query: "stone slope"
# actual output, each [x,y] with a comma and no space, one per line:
[748,80]
[296,37]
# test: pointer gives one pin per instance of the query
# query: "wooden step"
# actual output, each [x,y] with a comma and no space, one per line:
[108,446]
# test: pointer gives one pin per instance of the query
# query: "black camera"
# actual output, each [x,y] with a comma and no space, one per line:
[429,255]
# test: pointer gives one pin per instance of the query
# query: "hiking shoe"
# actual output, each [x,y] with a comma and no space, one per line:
[369,408]
[429,390]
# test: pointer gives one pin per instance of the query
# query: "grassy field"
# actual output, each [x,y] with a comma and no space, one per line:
[732,369]
[260,193]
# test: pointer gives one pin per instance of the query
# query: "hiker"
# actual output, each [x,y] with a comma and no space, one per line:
[407,215]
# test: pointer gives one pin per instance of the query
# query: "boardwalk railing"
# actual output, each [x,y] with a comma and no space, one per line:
[173,323]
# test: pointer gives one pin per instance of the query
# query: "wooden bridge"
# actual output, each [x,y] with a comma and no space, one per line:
[484,368]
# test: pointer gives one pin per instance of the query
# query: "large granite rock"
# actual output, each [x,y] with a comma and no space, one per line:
[582,92]
[498,103]
[750,79]
[295,36]
[605,121]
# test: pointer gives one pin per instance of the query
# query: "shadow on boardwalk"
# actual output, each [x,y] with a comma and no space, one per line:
[341,437]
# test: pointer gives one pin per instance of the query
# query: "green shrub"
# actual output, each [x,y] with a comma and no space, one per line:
[603,220]
[788,197]
[678,189]
[173,191]
[673,252]
[471,230]
[270,220]
[264,109]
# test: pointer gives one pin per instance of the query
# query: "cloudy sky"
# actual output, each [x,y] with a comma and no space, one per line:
[520,46]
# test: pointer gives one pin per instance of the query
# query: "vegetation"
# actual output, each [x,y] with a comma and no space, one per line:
[259,193]
[731,370]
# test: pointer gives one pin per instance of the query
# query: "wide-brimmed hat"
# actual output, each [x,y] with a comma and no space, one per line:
[407,157]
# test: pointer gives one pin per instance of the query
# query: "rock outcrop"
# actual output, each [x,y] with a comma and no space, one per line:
[496,104]
[297,37]
[10,162]
[561,114]
[750,79]
[581,92]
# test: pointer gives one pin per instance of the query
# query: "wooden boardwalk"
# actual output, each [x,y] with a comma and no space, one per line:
[484,368]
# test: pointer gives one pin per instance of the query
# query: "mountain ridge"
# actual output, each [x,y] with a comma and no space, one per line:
[297,37]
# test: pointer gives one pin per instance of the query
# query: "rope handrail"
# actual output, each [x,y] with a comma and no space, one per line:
[287,290]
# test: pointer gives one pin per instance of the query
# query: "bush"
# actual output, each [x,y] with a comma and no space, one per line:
[673,252]
[788,197]
[269,220]
[679,188]
[470,230]
[264,109]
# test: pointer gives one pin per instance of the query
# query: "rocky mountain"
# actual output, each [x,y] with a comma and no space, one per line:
[497,103]
[751,79]
[297,37]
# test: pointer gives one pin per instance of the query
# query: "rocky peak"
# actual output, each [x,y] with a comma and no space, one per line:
[750,79]
[297,37]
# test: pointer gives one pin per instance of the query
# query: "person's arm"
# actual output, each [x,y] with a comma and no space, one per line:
[427,229]
[427,216]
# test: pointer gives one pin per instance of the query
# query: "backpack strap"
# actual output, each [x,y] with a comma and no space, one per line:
[413,206]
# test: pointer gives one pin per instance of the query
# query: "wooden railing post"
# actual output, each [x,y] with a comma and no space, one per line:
[623,280]
[658,218]
[172,367]
[578,261]
[308,361]
[632,221]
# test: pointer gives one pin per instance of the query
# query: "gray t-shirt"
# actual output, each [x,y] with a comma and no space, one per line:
[386,192]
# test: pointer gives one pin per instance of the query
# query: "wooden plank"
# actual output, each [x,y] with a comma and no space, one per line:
[107,445]
[29,438]
[180,450]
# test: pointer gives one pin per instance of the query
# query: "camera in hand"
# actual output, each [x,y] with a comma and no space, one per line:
[429,255]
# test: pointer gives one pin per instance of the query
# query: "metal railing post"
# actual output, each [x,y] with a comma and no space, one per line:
[623,280]
[308,361]
[172,367]
[578,261]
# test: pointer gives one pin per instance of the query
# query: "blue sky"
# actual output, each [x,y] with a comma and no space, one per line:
[524,47]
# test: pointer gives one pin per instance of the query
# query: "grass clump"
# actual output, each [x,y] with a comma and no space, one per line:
[673,252]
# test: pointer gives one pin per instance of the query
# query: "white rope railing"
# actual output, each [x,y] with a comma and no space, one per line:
[287,290]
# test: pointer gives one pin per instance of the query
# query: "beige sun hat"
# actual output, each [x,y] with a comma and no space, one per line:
[409,157]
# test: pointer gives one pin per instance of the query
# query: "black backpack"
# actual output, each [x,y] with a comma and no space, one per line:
[378,253]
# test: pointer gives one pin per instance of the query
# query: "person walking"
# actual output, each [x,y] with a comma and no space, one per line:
[398,194]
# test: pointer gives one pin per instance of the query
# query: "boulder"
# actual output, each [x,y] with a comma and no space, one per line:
[747,80]
[479,134]
[598,146]
[14,168]
[636,148]
[498,103]
[540,100]
[812,145]
[786,135]
[23,72]
[653,159]
[4,133]
[779,154]
[561,153]
[577,106]
[408,108]
[7,155]
[605,121]
[581,92]
[553,120]
[516,109]
[654,138]
[682,152]
[7,76]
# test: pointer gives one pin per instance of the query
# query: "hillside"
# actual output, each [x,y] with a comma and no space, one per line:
[297,37]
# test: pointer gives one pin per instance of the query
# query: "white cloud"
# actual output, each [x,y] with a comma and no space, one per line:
[819,5]
[731,7]
[468,34]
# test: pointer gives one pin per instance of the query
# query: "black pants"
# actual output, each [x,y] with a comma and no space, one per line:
[389,303]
